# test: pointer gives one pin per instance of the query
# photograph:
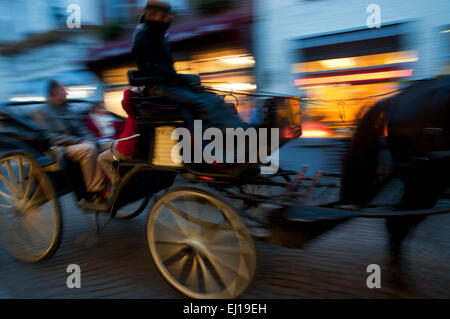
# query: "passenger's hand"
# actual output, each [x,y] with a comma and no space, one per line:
[136,90]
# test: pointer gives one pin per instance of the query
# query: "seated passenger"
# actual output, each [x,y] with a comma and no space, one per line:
[152,54]
[102,125]
[125,149]
[63,130]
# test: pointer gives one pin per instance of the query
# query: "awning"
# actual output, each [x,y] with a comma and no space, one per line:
[175,34]
[353,35]
[356,76]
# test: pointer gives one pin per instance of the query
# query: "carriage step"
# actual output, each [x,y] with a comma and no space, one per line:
[315,213]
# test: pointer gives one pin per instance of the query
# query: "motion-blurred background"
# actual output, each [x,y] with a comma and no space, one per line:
[342,55]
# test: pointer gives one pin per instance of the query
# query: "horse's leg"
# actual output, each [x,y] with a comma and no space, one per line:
[398,227]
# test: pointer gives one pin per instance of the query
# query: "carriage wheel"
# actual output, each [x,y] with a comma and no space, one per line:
[200,245]
[30,218]
[133,209]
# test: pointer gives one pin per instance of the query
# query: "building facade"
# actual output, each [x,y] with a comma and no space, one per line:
[37,45]
[211,40]
[337,53]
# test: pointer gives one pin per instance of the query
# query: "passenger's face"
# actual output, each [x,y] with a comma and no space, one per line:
[59,93]
[159,16]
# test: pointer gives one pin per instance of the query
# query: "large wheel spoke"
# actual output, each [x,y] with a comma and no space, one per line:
[30,183]
[195,220]
[225,269]
[168,233]
[211,283]
[6,183]
[179,221]
[21,175]
[9,198]
[176,265]
[12,177]
[171,254]
[192,277]
[37,198]
[225,251]
[221,235]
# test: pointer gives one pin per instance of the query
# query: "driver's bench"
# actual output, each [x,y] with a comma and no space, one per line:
[156,118]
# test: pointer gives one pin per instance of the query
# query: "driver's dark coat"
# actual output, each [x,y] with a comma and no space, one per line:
[153,57]
[151,52]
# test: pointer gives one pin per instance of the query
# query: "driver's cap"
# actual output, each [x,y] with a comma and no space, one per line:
[158,6]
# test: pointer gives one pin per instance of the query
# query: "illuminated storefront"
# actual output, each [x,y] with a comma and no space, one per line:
[229,70]
[343,75]
[215,49]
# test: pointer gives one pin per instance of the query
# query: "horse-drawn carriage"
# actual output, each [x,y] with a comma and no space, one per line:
[200,233]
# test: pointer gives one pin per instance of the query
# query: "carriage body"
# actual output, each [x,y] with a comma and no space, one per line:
[27,159]
[157,119]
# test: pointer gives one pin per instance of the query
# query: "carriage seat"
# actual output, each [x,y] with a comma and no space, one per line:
[136,78]
[151,107]
[157,110]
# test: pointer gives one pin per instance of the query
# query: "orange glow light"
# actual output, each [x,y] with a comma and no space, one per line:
[355,77]
[315,133]
[206,178]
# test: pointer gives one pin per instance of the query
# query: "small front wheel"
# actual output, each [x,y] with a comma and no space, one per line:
[200,245]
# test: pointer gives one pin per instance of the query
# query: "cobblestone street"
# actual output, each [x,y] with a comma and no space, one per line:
[119,264]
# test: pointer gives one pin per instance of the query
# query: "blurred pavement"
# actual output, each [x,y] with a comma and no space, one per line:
[119,265]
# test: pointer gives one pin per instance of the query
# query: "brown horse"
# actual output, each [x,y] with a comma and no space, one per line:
[417,121]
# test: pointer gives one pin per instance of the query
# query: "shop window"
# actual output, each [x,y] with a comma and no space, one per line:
[341,90]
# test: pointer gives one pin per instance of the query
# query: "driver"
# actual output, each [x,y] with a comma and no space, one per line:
[153,57]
